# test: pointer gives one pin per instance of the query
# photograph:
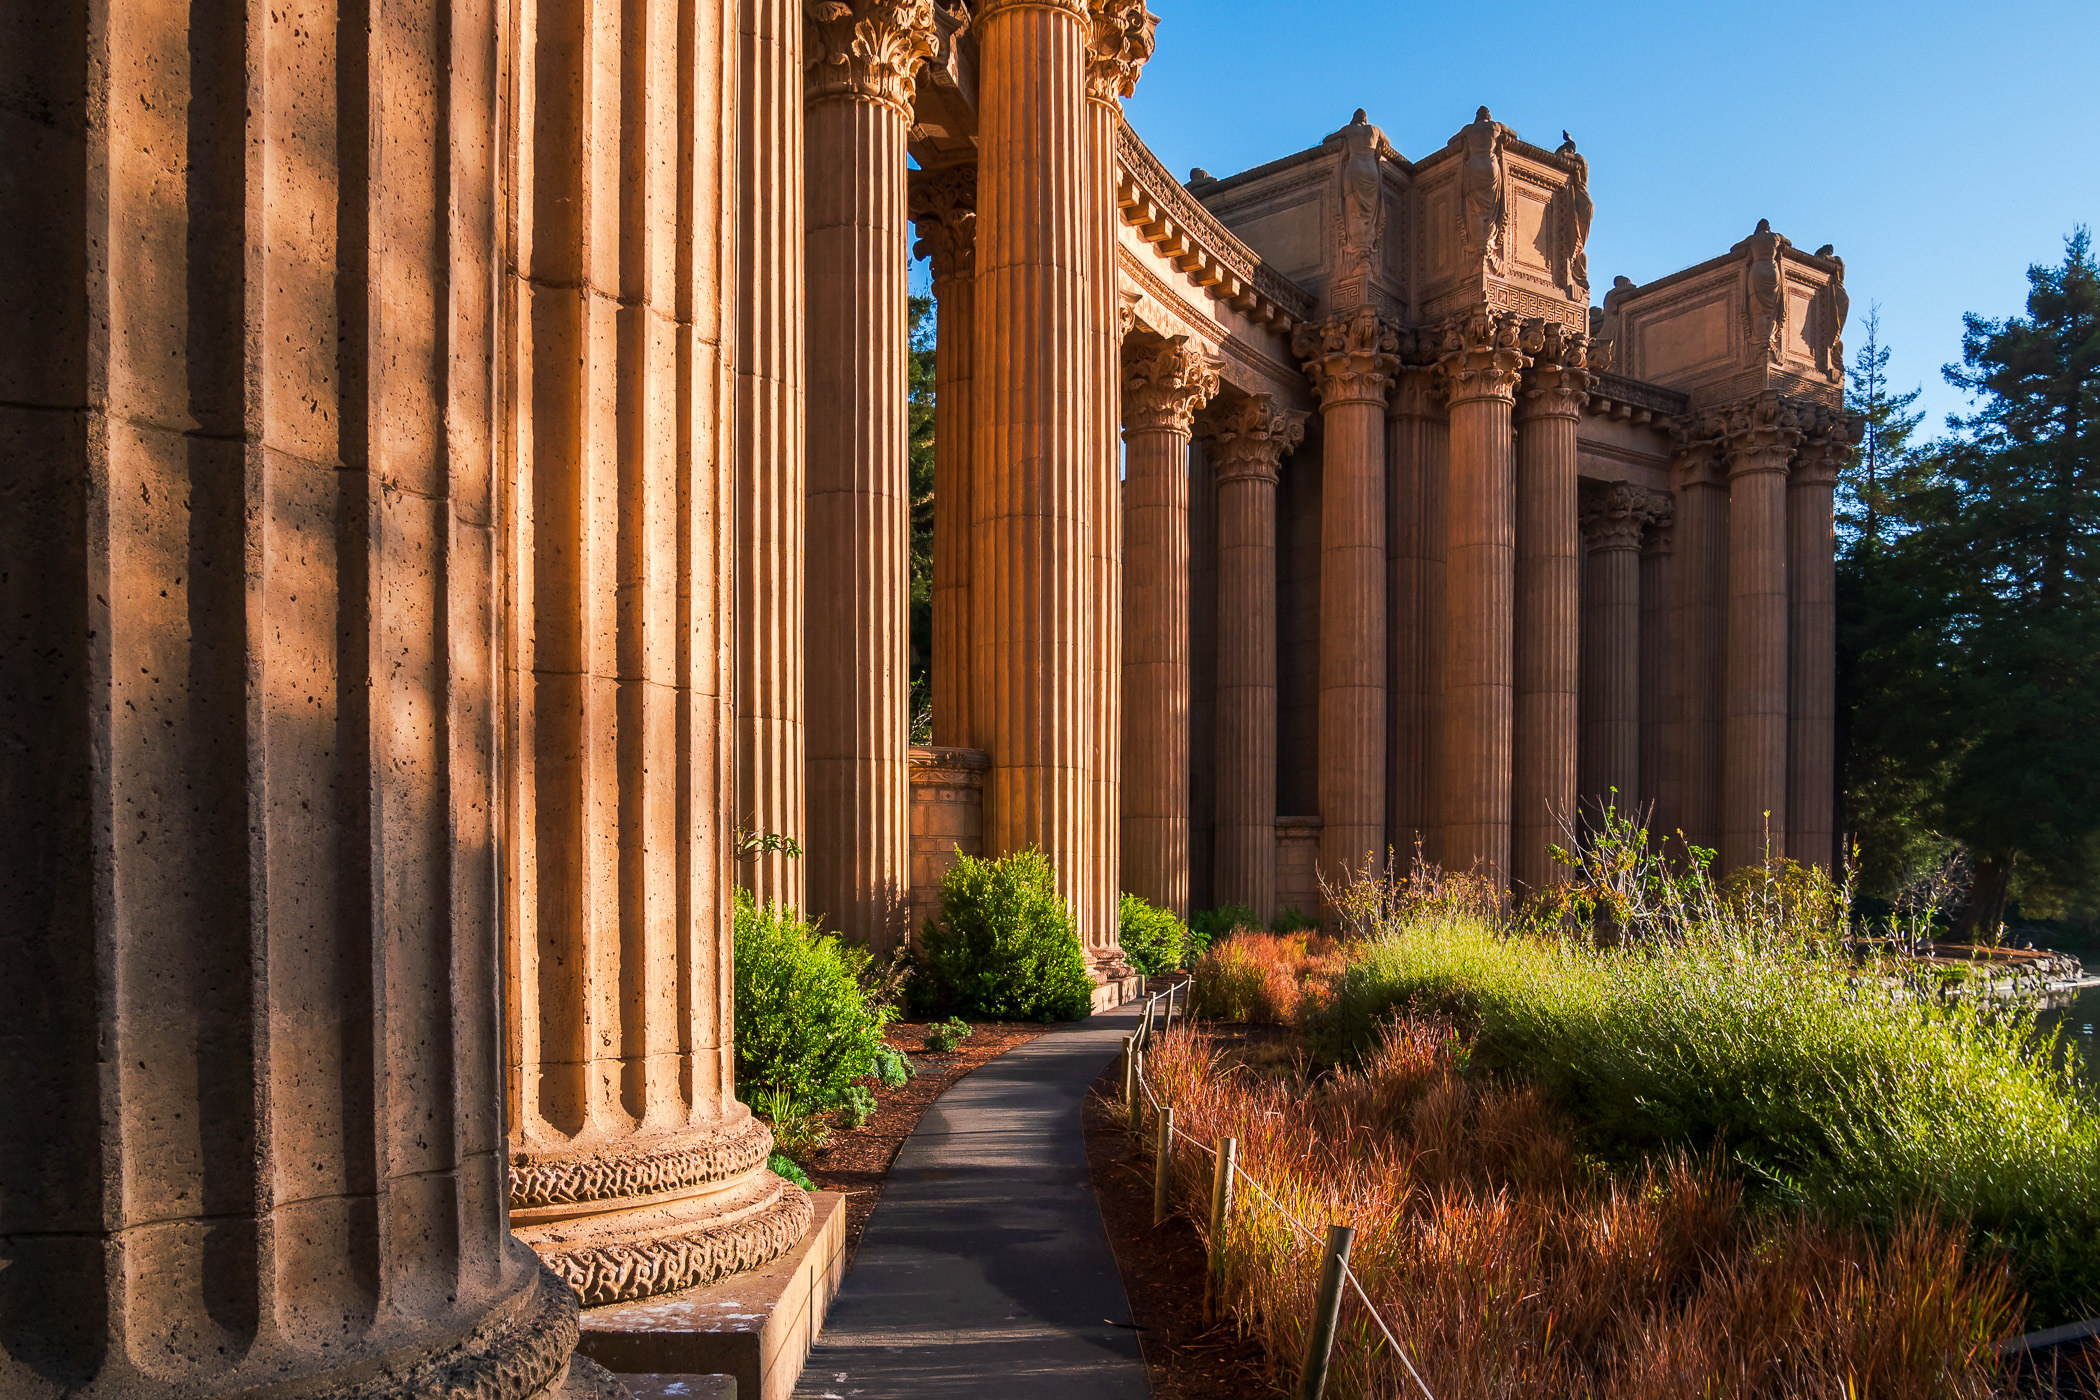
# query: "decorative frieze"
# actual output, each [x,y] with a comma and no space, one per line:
[870,49]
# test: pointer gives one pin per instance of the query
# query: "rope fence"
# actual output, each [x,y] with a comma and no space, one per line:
[1227,1174]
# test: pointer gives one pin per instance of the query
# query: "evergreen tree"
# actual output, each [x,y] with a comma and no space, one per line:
[919,382]
[1884,459]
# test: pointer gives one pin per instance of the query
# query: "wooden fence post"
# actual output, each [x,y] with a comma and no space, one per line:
[1228,1158]
[1137,1088]
[1327,1312]
[1164,1155]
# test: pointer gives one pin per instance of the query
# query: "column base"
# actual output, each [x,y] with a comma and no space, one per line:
[756,1327]
[1115,982]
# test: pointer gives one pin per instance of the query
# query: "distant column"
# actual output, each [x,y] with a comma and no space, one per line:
[1351,359]
[1548,585]
[1655,698]
[1418,448]
[1613,521]
[1761,438]
[1247,444]
[944,208]
[1481,360]
[768,444]
[1697,580]
[857,637]
[1162,389]
[1032,557]
[1811,782]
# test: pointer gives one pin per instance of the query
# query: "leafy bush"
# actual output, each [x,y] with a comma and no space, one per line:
[944,1036]
[785,1168]
[1153,939]
[892,1066]
[1207,926]
[803,1025]
[798,1134]
[1289,920]
[1004,948]
[856,1106]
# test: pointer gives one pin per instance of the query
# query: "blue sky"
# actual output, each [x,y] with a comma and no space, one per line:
[1941,147]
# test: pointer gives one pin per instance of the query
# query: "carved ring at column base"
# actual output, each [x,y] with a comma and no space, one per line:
[522,1351]
[676,1163]
[664,1249]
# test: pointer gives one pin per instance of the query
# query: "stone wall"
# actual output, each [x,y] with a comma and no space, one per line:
[947,815]
[1297,865]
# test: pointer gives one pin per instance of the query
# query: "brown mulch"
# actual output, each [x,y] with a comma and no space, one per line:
[1163,1272]
[858,1160]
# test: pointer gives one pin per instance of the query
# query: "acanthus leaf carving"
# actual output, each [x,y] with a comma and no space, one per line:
[1119,41]
[1250,438]
[1482,354]
[1615,516]
[1350,357]
[869,49]
[1163,387]
[943,205]
[1558,383]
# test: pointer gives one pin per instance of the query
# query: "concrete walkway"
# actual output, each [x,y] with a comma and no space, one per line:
[985,1270]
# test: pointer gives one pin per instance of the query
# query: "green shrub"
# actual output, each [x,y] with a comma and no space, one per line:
[892,1066]
[947,1035]
[856,1106]
[785,1168]
[1207,926]
[1289,920]
[1153,940]
[1004,948]
[798,1134]
[802,1022]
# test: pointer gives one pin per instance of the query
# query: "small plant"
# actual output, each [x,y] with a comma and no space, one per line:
[1207,926]
[892,1066]
[944,1036]
[797,1135]
[785,1168]
[803,1025]
[1004,948]
[1289,920]
[1153,940]
[856,1106]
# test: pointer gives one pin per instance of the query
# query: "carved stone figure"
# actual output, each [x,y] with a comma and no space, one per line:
[1480,188]
[1363,202]
[1575,272]
[1767,290]
[1832,307]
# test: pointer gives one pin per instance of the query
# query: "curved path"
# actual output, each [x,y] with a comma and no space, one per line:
[985,1269]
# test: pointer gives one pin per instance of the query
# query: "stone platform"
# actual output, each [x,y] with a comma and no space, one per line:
[756,1327]
[1116,991]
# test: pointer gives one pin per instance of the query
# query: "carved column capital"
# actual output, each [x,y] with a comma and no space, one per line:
[943,204]
[868,49]
[1558,383]
[1119,41]
[1695,453]
[1482,355]
[1760,434]
[1249,440]
[1350,357]
[1164,386]
[1616,516]
[1662,519]
[1826,443]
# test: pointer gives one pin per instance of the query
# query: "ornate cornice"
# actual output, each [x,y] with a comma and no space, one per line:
[1249,440]
[1482,354]
[1350,357]
[1558,383]
[869,49]
[1163,387]
[1119,41]
[1615,516]
[943,204]
[1760,434]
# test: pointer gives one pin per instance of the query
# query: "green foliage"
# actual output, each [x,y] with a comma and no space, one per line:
[919,384]
[1004,948]
[1153,940]
[784,1167]
[798,1134]
[1207,926]
[892,1067]
[856,1105]
[943,1036]
[803,1025]
[1289,920]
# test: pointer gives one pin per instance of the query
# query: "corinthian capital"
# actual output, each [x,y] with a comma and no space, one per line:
[1248,441]
[943,204]
[1558,382]
[1350,357]
[1827,440]
[1760,434]
[870,49]
[1482,355]
[1119,40]
[1615,516]
[1163,387]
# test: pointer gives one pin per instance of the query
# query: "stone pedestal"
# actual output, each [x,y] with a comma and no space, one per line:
[1418,450]
[947,820]
[634,1170]
[770,510]
[1760,441]
[248,914]
[1548,586]
[1811,780]
[856,639]
[1247,443]
[1613,523]
[1162,389]
[944,209]
[1481,360]
[1351,360]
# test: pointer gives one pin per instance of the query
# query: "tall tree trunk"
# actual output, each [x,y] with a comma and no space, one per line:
[1986,907]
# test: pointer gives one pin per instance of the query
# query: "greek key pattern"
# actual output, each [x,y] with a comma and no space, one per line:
[555,1180]
[619,1273]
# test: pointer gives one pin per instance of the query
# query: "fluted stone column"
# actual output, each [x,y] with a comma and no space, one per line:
[1656,671]
[1247,444]
[1481,361]
[857,640]
[1689,803]
[1032,569]
[1811,782]
[634,1170]
[768,443]
[1351,359]
[1761,438]
[1548,585]
[1119,41]
[1162,389]
[1613,521]
[248,912]
[944,208]
[1418,449]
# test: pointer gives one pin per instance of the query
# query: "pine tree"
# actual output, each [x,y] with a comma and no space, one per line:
[919,387]
[1882,461]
